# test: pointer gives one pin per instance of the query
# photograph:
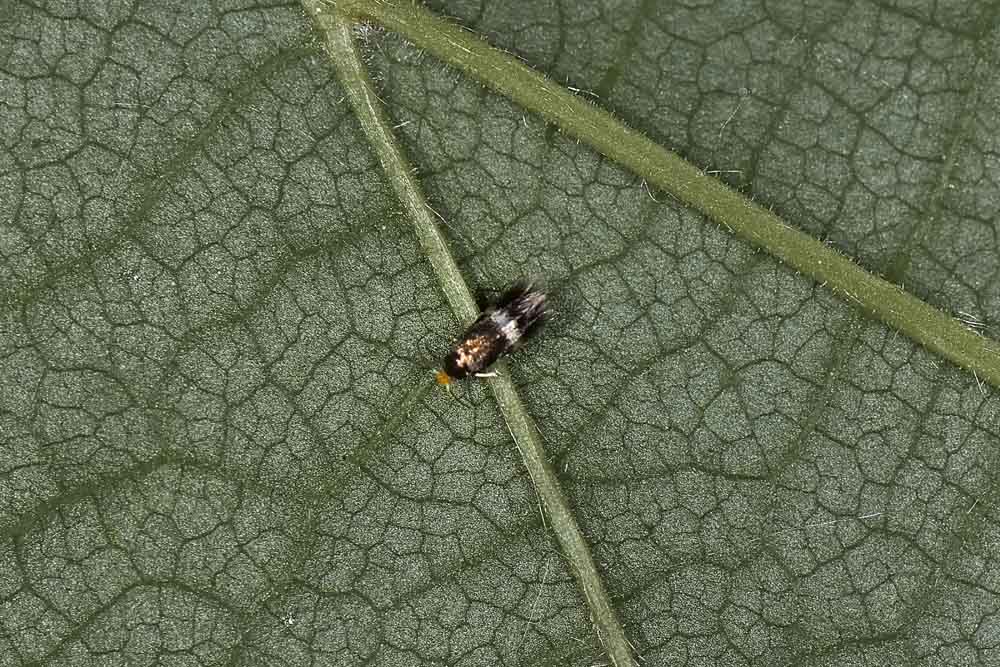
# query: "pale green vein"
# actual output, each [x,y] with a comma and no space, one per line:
[338,39]
[667,171]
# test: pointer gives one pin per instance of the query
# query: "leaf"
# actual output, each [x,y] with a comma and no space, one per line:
[218,327]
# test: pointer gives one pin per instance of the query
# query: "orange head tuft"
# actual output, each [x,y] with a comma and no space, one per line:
[443,378]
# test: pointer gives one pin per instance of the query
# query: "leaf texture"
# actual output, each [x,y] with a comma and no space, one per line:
[217,442]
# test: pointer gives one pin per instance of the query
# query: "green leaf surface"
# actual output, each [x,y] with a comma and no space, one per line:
[218,440]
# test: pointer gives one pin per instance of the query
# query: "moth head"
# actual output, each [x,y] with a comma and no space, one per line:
[443,379]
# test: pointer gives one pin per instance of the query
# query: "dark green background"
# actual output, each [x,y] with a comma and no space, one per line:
[212,310]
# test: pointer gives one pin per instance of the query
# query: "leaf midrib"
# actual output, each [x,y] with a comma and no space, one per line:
[579,117]
[337,29]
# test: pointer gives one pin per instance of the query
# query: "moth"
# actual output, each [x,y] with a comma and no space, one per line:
[499,330]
